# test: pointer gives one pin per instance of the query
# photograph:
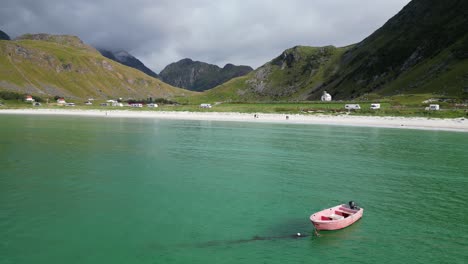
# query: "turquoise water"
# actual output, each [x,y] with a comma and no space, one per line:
[110,190]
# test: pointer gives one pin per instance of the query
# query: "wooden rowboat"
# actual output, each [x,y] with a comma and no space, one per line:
[337,217]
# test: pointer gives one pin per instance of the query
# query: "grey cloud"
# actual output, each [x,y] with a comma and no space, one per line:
[219,32]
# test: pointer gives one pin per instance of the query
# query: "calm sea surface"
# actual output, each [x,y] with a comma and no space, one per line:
[110,190]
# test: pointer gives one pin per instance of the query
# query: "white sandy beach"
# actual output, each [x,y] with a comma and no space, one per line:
[456,124]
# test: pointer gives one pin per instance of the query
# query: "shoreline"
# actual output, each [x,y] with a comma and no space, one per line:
[456,124]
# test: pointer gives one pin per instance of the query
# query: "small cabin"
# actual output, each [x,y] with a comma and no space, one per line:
[61,101]
[205,106]
[29,99]
[326,97]
[352,106]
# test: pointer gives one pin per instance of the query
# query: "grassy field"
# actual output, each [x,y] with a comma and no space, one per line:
[404,106]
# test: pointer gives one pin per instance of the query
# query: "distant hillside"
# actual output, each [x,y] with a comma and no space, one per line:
[4,36]
[200,76]
[50,65]
[423,49]
[127,59]
[290,76]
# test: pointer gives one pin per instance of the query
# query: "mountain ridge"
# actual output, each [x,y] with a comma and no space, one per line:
[4,36]
[50,65]
[127,59]
[200,76]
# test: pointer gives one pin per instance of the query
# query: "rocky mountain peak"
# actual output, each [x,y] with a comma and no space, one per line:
[4,36]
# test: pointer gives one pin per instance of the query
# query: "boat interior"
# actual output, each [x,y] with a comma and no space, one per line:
[338,214]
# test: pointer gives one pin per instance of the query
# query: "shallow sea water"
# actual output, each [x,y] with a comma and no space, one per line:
[117,190]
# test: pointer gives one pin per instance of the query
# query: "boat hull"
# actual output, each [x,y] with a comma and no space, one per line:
[335,218]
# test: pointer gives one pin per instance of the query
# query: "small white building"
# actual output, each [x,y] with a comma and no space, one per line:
[205,106]
[28,99]
[61,100]
[326,97]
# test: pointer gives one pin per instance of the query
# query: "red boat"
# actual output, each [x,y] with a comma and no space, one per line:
[337,217]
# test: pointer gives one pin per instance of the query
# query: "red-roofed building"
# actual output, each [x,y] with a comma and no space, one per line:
[28,98]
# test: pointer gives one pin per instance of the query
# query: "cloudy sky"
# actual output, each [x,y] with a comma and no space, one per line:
[159,32]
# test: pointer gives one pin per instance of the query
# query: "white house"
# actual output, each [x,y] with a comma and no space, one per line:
[61,100]
[326,97]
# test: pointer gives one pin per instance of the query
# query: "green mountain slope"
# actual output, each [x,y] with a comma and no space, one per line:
[200,76]
[290,76]
[423,49]
[48,65]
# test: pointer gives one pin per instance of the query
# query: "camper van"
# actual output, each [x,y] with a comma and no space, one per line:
[352,107]
[375,106]
[205,105]
[433,107]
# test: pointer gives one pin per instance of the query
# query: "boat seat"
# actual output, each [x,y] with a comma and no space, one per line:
[345,212]
[335,217]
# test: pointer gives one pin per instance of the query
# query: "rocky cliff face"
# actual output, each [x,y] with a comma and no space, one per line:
[4,36]
[127,59]
[200,76]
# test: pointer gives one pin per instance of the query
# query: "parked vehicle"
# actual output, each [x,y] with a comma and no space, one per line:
[375,106]
[205,106]
[433,107]
[36,104]
[352,107]
[152,105]
[70,104]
